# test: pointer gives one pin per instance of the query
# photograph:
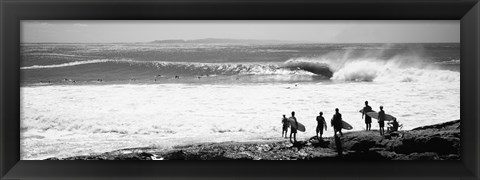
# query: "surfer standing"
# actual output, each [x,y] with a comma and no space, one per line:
[368,119]
[381,121]
[293,130]
[321,124]
[337,123]
[285,126]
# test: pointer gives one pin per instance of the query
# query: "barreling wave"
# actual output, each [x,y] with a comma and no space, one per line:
[319,68]
[178,68]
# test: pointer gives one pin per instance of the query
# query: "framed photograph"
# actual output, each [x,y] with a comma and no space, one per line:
[338,89]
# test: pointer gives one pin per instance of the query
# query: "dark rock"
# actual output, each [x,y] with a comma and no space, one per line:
[406,146]
[238,156]
[394,134]
[362,145]
[450,157]
[440,146]
[420,156]
[450,124]
[145,155]
[322,143]
[387,136]
[52,158]
[376,149]
[175,155]
[338,145]
[388,155]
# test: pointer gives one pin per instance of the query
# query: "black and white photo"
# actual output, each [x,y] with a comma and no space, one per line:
[240,90]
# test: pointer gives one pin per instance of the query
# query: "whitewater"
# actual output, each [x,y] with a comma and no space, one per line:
[220,101]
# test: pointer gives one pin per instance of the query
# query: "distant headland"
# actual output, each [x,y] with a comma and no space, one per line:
[221,41]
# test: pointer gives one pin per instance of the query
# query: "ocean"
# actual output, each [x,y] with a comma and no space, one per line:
[78,99]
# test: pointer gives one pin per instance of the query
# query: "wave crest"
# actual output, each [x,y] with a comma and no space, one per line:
[316,67]
[183,68]
[75,63]
[397,69]
[392,71]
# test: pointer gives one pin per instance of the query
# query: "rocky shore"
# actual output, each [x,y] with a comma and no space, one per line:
[434,142]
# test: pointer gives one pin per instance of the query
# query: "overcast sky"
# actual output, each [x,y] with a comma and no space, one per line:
[309,31]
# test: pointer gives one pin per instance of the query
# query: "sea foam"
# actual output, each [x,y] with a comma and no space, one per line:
[122,116]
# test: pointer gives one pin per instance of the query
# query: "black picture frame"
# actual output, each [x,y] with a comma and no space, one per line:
[13,11]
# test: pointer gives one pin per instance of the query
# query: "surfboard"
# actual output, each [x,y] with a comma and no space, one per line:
[388,117]
[300,127]
[361,110]
[346,126]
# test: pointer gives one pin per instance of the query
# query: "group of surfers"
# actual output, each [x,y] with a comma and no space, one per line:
[336,123]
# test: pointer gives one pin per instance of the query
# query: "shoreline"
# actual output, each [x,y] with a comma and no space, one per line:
[431,142]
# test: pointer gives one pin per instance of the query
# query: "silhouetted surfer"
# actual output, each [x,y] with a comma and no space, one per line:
[293,130]
[337,122]
[68,80]
[337,126]
[381,120]
[321,124]
[285,126]
[393,126]
[338,144]
[368,119]
[291,87]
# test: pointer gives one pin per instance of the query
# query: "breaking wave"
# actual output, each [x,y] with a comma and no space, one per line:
[319,68]
[75,63]
[395,69]
[346,69]
[391,72]
[181,68]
